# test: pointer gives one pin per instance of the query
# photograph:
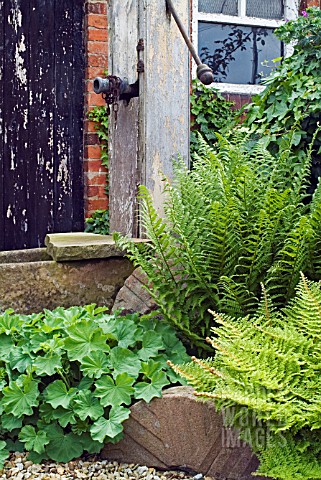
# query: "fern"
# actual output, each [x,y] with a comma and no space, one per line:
[267,367]
[238,219]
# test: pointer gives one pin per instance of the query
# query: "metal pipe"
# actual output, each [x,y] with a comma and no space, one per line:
[204,72]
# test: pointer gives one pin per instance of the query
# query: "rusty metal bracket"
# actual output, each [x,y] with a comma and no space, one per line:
[140,66]
[115,89]
[140,45]
[204,72]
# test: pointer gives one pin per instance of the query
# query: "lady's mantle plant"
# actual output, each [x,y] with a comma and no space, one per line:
[266,376]
[68,377]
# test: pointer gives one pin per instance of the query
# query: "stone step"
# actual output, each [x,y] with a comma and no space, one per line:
[64,247]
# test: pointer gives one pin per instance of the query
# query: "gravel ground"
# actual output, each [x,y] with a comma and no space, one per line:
[19,468]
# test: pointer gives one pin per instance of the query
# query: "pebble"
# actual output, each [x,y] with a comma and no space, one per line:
[17,467]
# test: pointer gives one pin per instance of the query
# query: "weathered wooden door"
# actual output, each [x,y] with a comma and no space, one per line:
[41,120]
[150,131]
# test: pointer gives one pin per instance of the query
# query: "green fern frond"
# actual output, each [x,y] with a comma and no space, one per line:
[267,368]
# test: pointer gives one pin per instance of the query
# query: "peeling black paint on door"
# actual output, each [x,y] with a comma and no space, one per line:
[41,120]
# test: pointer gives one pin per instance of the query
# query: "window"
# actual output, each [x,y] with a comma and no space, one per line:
[235,38]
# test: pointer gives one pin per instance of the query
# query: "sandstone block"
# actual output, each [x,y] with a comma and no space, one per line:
[133,297]
[180,432]
[29,287]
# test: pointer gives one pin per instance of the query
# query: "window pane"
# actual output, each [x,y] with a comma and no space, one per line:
[236,52]
[228,7]
[266,9]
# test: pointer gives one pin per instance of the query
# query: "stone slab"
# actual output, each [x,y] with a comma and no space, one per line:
[63,247]
[181,432]
[29,287]
[29,255]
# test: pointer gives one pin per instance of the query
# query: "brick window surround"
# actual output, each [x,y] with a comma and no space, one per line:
[96,51]
[96,55]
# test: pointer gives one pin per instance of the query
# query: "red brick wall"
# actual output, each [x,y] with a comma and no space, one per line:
[310,3]
[96,49]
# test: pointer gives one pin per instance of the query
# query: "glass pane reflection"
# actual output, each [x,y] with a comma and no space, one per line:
[228,7]
[266,9]
[236,52]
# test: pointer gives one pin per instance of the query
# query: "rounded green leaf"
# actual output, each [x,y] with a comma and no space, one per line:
[115,392]
[111,427]
[48,364]
[123,360]
[57,394]
[95,364]
[151,344]
[62,447]
[4,453]
[146,391]
[86,405]
[84,339]
[33,440]
[20,396]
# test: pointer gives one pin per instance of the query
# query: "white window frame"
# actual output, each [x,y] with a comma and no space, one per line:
[290,12]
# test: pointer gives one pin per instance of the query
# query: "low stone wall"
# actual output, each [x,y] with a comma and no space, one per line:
[30,281]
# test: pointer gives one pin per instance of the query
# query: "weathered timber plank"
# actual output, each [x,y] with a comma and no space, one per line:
[124,163]
[41,121]
[2,80]
[16,104]
[164,94]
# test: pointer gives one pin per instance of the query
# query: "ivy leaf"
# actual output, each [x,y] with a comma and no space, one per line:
[116,392]
[57,394]
[62,447]
[151,345]
[95,364]
[20,396]
[4,453]
[111,427]
[10,422]
[47,365]
[33,440]
[86,405]
[83,339]
[124,361]
[147,391]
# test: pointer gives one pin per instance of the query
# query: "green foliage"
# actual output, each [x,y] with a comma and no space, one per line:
[266,374]
[211,113]
[237,219]
[292,94]
[68,377]
[100,117]
[98,223]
